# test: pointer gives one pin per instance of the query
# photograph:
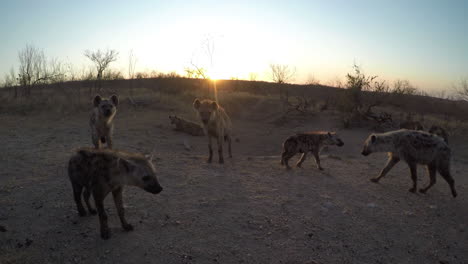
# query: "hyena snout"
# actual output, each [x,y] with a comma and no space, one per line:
[365,152]
[153,188]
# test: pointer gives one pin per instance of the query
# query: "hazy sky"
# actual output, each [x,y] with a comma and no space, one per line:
[423,41]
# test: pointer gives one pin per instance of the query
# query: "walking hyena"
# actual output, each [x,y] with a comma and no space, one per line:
[413,125]
[216,123]
[305,142]
[187,126]
[414,147]
[101,120]
[101,171]
[439,131]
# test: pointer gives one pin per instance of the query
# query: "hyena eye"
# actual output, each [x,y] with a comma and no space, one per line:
[146,178]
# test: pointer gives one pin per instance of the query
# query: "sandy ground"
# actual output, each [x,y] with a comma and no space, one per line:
[249,210]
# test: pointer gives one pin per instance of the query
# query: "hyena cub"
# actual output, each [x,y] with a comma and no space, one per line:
[101,120]
[439,131]
[216,123]
[414,147]
[186,126]
[101,171]
[305,142]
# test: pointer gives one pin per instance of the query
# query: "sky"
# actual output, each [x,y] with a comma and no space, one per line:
[423,41]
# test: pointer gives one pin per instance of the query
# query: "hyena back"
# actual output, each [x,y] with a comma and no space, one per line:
[187,126]
[216,123]
[439,131]
[305,142]
[102,120]
[414,147]
[101,171]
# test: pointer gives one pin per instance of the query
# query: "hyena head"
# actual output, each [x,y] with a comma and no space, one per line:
[142,174]
[106,107]
[205,109]
[373,143]
[437,130]
[174,119]
[333,139]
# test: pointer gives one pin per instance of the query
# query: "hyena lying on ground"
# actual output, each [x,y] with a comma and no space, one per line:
[187,126]
[413,125]
[216,123]
[102,171]
[439,131]
[305,142]
[414,147]
[101,120]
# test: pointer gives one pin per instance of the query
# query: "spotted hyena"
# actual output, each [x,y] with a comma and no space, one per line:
[413,125]
[101,171]
[186,126]
[102,120]
[216,123]
[439,131]
[305,142]
[414,147]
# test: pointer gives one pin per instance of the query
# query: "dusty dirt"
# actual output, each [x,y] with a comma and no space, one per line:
[249,210]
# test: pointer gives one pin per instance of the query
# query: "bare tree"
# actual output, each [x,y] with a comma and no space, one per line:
[461,89]
[35,70]
[132,60]
[101,59]
[282,73]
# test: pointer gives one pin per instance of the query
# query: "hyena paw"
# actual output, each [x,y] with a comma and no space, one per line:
[82,212]
[422,190]
[374,180]
[92,211]
[105,234]
[320,168]
[127,227]
[413,190]
[298,165]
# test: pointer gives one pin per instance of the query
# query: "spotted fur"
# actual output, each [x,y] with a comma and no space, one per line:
[101,171]
[102,120]
[216,123]
[414,147]
[186,126]
[310,141]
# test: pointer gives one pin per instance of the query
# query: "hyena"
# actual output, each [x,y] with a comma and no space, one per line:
[101,171]
[216,123]
[187,126]
[413,125]
[305,142]
[414,147]
[101,120]
[439,131]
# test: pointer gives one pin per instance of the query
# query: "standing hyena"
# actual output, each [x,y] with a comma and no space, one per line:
[101,171]
[101,120]
[414,147]
[216,123]
[305,142]
[439,131]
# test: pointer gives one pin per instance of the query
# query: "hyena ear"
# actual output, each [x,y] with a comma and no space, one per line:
[149,157]
[214,105]
[196,103]
[329,134]
[97,100]
[115,99]
[127,166]
[373,138]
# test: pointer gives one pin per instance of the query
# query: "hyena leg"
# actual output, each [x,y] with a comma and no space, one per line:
[445,173]
[96,141]
[220,149]
[285,158]
[99,200]
[86,195]
[229,146]
[317,159]
[77,189]
[414,176]
[301,160]
[390,163]
[210,149]
[109,141]
[431,169]
[120,209]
